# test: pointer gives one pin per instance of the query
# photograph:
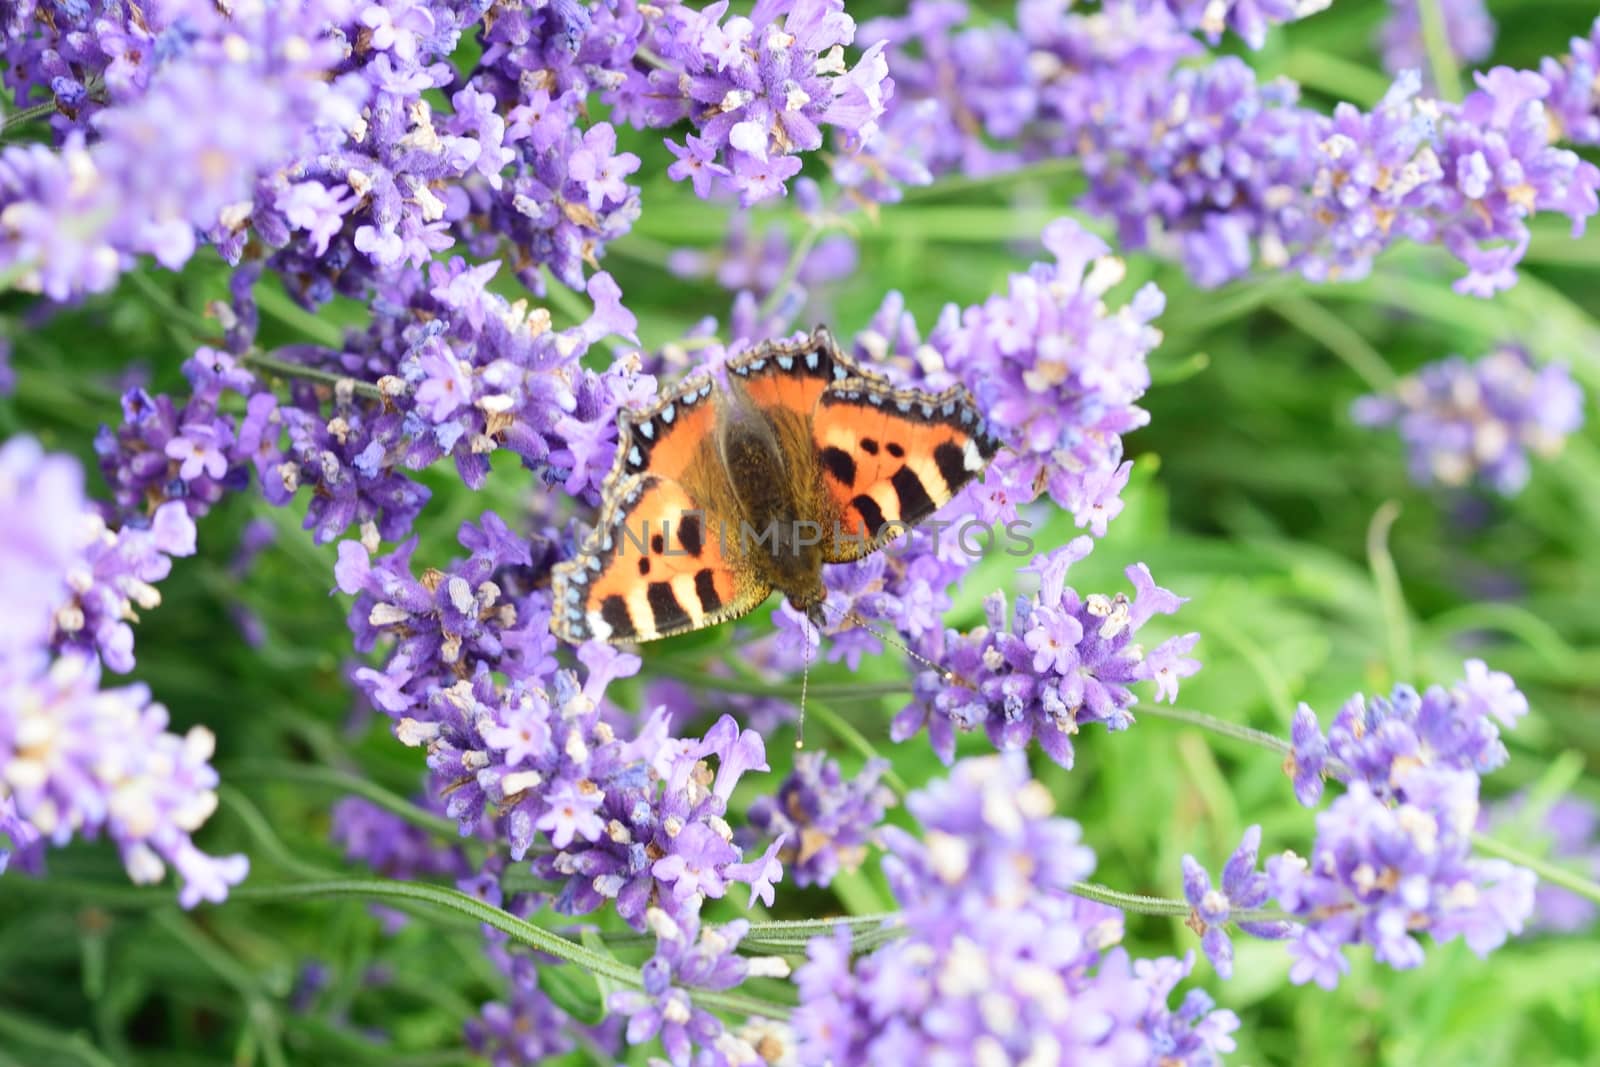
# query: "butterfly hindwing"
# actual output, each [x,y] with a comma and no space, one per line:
[658,564]
[892,457]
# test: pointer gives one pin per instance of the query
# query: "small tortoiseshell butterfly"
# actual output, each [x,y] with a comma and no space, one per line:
[718,498]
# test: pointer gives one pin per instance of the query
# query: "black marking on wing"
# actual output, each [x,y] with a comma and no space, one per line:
[614,610]
[837,462]
[691,535]
[706,589]
[664,606]
[952,463]
[915,503]
[871,514]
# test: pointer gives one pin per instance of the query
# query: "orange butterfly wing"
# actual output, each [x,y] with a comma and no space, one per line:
[884,458]
[657,564]
[892,457]
[667,439]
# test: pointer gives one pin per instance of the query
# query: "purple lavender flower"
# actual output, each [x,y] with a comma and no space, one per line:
[1089,659]
[998,960]
[1485,421]
[180,149]
[1380,873]
[633,822]
[690,956]
[78,760]
[758,90]
[1393,854]
[1307,762]
[1574,99]
[822,820]
[43,496]
[1212,907]
[1199,1033]
[390,845]
[525,1028]
[116,573]
[1248,18]
[1468,29]
[1058,375]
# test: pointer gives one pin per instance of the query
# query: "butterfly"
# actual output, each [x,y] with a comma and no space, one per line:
[721,495]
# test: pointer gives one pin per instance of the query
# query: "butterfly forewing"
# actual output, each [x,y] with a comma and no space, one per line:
[670,437]
[890,458]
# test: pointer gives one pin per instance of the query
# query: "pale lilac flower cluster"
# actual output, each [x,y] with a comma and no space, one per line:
[523,1029]
[459,372]
[1483,421]
[1574,97]
[203,103]
[1381,873]
[1207,164]
[636,821]
[389,844]
[1240,888]
[999,962]
[347,176]
[1058,375]
[1392,857]
[824,819]
[77,760]
[1250,19]
[757,90]
[690,956]
[1205,159]
[1049,664]
[1468,30]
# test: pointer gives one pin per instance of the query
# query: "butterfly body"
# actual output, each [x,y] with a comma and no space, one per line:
[721,496]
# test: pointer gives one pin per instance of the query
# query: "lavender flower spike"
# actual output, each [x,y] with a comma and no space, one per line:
[1213,906]
[1479,422]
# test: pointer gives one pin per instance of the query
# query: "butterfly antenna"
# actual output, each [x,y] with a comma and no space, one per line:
[805,679]
[948,676]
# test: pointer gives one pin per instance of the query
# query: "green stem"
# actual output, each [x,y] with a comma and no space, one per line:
[1550,872]
[1441,57]
[1143,905]
[518,929]
[25,1031]
[1336,335]
[791,270]
[24,115]
[1387,578]
[286,369]
[332,778]
[1248,734]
